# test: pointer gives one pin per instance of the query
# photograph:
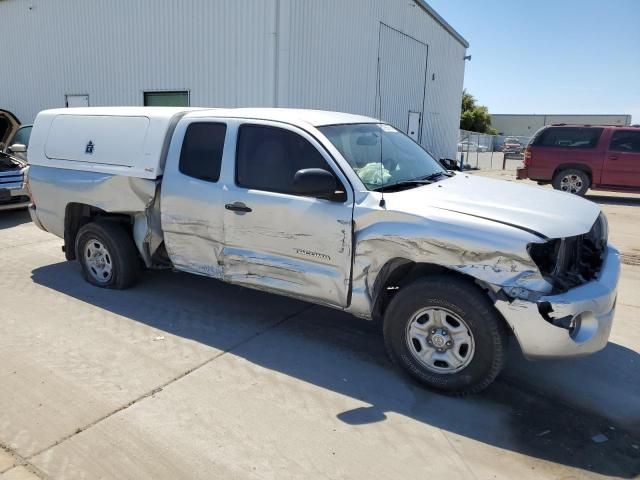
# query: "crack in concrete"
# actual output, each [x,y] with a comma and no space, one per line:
[161,387]
[21,461]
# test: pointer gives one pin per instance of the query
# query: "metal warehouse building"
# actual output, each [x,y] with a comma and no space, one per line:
[393,59]
[526,125]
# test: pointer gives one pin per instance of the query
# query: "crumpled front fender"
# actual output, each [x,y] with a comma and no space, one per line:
[492,253]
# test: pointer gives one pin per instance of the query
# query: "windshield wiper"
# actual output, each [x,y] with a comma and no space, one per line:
[437,175]
[403,183]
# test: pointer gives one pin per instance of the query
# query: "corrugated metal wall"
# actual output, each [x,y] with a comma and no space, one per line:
[335,60]
[225,52]
[116,49]
[401,77]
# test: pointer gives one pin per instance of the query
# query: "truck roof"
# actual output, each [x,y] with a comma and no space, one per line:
[133,141]
[316,118]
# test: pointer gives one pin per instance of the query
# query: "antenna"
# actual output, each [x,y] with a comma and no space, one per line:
[383,202]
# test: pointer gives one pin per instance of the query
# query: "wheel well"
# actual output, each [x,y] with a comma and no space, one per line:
[79,214]
[398,273]
[574,166]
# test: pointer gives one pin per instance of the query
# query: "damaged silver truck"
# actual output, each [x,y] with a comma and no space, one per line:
[335,209]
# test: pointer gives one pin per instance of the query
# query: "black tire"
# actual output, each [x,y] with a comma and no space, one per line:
[566,180]
[469,303]
[122,254]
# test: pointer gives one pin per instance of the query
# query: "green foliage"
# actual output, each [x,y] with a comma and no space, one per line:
[474,117]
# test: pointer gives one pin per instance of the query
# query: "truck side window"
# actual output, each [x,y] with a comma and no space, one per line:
[201,155]
[268,158]
[625,141]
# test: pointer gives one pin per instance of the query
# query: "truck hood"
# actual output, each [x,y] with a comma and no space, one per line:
[547,213]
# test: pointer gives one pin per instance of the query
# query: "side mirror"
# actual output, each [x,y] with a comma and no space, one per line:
[449,164]
[314,182]
[18,148]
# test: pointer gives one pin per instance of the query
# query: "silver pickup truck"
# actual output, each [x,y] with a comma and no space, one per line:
[335,209]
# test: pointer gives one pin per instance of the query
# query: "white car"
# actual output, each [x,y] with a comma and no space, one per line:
[467,146]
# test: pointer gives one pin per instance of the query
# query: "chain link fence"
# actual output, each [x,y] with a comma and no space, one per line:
[490,152]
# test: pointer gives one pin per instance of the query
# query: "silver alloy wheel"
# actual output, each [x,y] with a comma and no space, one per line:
[98,260]
[571,183]
[440,340]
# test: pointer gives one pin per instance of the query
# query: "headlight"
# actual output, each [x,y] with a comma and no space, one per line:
[601,229]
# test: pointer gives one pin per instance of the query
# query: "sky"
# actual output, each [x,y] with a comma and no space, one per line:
[550,56]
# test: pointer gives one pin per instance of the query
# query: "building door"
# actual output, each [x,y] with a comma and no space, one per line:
[402,70]
[414,126]
[74,101]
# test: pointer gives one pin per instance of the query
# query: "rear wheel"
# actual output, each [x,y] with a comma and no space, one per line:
[107,255]
[572,181]
[444,332]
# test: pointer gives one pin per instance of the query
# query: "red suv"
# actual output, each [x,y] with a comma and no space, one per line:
[575,158]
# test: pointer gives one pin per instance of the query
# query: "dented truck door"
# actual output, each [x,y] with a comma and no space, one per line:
[275,239]
[192,208]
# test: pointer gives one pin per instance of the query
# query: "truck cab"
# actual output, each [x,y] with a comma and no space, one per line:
[335,209]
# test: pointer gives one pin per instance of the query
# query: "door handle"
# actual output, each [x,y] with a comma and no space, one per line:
[613,157]
[238,207]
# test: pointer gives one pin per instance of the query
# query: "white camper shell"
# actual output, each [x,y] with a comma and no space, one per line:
[127,141]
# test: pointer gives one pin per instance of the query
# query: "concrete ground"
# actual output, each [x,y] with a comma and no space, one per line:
[186,377]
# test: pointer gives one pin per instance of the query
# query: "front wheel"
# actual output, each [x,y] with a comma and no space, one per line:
[572,181]
[444,332]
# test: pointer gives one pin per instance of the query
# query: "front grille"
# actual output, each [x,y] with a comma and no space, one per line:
[572,261]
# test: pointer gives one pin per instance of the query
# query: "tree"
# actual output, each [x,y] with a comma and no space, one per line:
[474,117]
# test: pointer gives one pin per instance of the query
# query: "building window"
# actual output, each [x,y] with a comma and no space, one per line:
[74,101]
[166,99]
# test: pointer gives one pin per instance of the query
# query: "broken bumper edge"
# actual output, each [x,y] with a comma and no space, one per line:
[592,305]
[522,173]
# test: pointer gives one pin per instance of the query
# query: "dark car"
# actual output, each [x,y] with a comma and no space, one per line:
[575,158]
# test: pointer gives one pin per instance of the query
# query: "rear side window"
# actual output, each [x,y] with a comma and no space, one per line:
[201,155]
[269,157]
[569,137]
[624,141]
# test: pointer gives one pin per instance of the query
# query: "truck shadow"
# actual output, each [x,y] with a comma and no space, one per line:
[613,200]
[13,218]
[337,352]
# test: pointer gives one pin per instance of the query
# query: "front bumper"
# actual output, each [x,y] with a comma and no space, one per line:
[593,303]
[17,198]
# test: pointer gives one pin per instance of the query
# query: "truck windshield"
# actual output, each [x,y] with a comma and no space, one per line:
[381,155]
